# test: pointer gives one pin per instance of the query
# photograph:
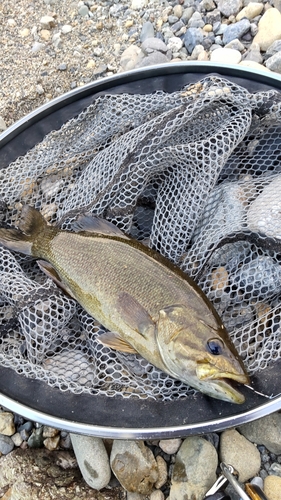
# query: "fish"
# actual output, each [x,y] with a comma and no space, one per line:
[146,303]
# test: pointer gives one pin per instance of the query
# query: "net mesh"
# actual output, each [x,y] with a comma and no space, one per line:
[180,171]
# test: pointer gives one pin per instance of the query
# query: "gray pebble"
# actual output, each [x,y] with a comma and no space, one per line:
[173,19]
[187,13]
[193,36]
[36,439]
[229,7]
[147,31]
[213,17]
[236,30]
[6,444]
[37,46]
[62,67]
[154,44]
[196,21]
[273,49]
[275,469]
[28,426]
[83,10]
[274,62]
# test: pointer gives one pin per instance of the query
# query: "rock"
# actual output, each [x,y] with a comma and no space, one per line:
[33,474]
[194,470]
[229,7]
[37,46]
[134,466]
[45,35]
[24,33]
[35,440]
[47,22]
[174,44]
[17,439]
[147,31]
[196,21]
[236,450]
[251,10]
[170,446]
[3,125]
[254,65]
[198,49]
[264,213]
[157,495]
[265,431]
[7,426]
[274,62]
[178,10]
[236,30]
[162,472]
[272,487]
[138,4]
[83,10]
[235,45]
[66,28]
[130,57]
[192,37]
[269,29]
[92,459]
[51,443]
[254,54]
[273,49]
[6,444]
[152,45]
[154,58]
[226,56]
[208,5]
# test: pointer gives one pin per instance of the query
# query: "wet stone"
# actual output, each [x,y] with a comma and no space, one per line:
[236,450]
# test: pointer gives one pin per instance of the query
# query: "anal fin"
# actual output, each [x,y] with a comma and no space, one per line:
[114,341]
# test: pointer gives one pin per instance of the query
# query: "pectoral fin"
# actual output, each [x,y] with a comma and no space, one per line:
[48,269]
[93,224]
[114,341]
[134,314]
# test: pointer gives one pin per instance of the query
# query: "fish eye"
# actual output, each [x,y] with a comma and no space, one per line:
[215,346]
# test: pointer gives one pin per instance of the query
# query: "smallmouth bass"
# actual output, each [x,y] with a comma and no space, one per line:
[148,305]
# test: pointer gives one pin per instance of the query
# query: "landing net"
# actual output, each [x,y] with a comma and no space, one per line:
[180,171]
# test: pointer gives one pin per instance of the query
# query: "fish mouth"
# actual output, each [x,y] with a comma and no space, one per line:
[220,383]
[223,389]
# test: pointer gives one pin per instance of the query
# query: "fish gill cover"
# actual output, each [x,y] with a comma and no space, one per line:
[181,171]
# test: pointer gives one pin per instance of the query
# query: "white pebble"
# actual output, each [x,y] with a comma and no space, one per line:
[226,56]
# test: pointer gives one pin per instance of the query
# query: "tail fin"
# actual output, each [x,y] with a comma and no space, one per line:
[21,240]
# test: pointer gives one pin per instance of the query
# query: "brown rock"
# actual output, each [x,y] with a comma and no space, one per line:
[236,450]
[33,474]
[272,487]
[7,426]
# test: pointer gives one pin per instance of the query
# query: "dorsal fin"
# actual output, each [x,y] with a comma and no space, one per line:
[93,224]
[31,221]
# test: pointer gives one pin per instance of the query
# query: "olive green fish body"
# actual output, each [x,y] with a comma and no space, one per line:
[146,303]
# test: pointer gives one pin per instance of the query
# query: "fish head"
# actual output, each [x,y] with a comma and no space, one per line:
[198,352]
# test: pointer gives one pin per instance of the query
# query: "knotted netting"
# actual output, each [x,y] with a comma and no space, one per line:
[196,175]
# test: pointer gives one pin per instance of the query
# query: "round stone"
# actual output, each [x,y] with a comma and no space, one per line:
[226,56]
